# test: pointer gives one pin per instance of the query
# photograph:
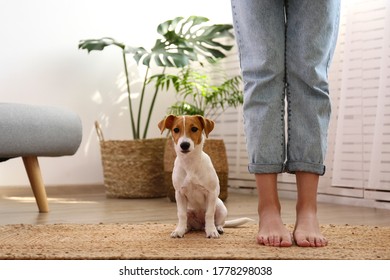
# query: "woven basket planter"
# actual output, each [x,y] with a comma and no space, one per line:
[133,168]
[215,148]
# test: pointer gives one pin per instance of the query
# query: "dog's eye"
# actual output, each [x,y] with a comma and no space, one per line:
[194,129]
[176,130]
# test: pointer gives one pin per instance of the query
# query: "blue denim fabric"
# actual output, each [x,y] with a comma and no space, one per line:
[285,50]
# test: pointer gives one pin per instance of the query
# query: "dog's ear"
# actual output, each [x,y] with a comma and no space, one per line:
[208,125]
[167,122]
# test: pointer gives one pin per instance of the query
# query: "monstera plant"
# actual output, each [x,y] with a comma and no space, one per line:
[180,41]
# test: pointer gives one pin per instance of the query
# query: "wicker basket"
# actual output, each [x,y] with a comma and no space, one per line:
[133,168]
[215,148]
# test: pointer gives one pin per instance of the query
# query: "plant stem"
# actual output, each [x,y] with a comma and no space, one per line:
[135,134]
[142,101]
[151,108]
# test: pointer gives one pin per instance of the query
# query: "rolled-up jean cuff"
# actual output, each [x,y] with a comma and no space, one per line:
[265,168]
[316,168]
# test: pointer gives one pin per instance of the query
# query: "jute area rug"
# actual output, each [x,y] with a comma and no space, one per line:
[152,241]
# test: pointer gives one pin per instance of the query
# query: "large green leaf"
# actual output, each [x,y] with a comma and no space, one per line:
[168,25]
[186,40]
[99,44]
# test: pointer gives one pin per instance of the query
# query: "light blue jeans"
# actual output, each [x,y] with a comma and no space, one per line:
[285,49]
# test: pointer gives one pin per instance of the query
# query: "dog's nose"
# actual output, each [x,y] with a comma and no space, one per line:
[185,146]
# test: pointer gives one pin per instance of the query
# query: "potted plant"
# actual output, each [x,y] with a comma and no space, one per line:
[134,168]
[198,94]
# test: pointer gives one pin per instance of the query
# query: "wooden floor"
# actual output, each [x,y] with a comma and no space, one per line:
[88,204]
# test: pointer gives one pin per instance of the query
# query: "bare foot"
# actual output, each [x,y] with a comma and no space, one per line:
[307,232]
[272,232]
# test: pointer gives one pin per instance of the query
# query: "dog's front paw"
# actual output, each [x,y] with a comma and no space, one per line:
[220,229]
[212,233]
[178,233]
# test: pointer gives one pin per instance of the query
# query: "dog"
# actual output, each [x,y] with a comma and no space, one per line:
[194,178]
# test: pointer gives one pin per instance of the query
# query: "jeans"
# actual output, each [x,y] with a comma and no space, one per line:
[285,49]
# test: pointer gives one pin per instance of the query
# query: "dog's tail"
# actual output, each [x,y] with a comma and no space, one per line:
[237,222]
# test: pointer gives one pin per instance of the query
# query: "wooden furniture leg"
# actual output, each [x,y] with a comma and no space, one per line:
[34,175]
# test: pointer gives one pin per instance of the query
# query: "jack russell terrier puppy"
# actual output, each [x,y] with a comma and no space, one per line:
[194,178]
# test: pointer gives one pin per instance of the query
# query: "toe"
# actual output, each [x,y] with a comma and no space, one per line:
[303,243]
[276,240]
[264,241]
[312,241]
[271,241]
[321,242]
[286,242]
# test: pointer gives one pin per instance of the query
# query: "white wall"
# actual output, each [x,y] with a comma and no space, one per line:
[41,64]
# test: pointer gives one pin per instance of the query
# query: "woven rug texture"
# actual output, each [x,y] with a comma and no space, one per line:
[153,241]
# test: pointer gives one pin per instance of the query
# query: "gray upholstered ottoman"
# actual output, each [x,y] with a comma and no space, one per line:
[33,131]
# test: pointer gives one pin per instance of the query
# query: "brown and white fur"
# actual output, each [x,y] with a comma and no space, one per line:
[194,178]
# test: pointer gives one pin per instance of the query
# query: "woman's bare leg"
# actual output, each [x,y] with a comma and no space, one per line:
[307,230]
[272,231]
